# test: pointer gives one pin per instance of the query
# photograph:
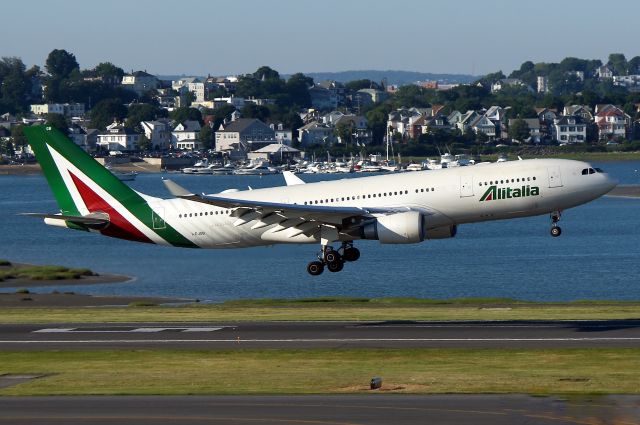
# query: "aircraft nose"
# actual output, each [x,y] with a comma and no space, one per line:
[610,182]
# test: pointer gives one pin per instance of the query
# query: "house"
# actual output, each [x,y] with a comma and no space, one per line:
[401,120]
[237,102]
[323,98]
[185,135]
[569,129]
[358,126]
[78,136]
[508,82]
[465,121]
[118,138]
[315,133]
[276,153]
[582,111]
[66,109]
[454,118]
[364,97]
[604,72]
[243,135]
[612,122]
[542,84]
[546,115]
[140,82]
[630,82]
[158,133]
[429,124]
[484,125]
[535,133]
[496,113]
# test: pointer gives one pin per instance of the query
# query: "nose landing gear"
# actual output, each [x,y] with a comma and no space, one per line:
[555,229]
[333,259]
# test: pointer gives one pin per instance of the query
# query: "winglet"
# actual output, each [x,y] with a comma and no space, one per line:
[292,179]
[175,189]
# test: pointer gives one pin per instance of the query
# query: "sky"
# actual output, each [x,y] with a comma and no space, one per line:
[200,37]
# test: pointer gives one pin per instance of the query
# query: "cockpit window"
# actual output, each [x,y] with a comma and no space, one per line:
[590,171]
[599,170]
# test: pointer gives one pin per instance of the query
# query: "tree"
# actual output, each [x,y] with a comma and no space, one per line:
[15,85]
[18,139]
[108,70]
[344,131]
[184,113]
[519,130]
[60,64]
[356,85]
[266,73]
[144,144]
[139,112]
[251,110]
[58,121]
[619,62]
[107,111]
[207,136]
[298,89]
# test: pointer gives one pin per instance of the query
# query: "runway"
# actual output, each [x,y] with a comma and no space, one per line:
[324,410]
[294,335]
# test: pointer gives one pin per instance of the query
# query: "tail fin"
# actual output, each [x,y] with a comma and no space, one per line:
[70,171]
[85,189]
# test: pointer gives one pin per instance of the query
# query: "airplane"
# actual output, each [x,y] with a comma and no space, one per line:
[402,208]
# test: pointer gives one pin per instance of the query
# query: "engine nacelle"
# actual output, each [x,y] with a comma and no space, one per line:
[443,232]
[400,228]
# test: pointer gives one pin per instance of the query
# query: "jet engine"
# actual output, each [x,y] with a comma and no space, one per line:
[442,232]
[404,228]
[400,228]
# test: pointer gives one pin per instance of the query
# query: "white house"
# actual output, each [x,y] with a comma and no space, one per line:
[140,82]
[569,129]
[66,109]
[243,135]
[118,138]
[158,133]
[185,136]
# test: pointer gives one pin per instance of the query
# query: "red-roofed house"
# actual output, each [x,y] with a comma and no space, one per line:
[613,123]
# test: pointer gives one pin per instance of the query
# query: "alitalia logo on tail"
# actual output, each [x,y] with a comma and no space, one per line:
[494,193]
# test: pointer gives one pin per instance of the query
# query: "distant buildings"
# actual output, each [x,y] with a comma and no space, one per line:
[140,82]
[66,109]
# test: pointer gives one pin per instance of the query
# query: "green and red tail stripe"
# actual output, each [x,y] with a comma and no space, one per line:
[82,186]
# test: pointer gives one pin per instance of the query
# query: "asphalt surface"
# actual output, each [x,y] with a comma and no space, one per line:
[334,410]
[517,334]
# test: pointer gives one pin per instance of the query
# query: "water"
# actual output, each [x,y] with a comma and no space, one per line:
[595,258]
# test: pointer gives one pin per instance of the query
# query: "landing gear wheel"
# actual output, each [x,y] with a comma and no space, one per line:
[556,231]
[315,268]
[351,254]
[332,256]
[335,267]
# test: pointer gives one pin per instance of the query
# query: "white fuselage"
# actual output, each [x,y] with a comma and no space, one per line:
[446,197]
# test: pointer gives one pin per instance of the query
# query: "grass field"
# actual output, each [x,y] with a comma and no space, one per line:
[332,309]
[566,371]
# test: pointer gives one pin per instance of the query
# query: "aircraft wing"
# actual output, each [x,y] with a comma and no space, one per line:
[305,219]
[319,213]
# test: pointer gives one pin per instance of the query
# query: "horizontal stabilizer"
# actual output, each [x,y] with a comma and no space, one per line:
[175,189]
[93,220]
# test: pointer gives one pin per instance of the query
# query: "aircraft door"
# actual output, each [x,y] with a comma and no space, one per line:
[555,178]
[157,218]
[466,185]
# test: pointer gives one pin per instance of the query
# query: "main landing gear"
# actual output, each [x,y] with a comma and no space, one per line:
[555,229]
[333,259]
